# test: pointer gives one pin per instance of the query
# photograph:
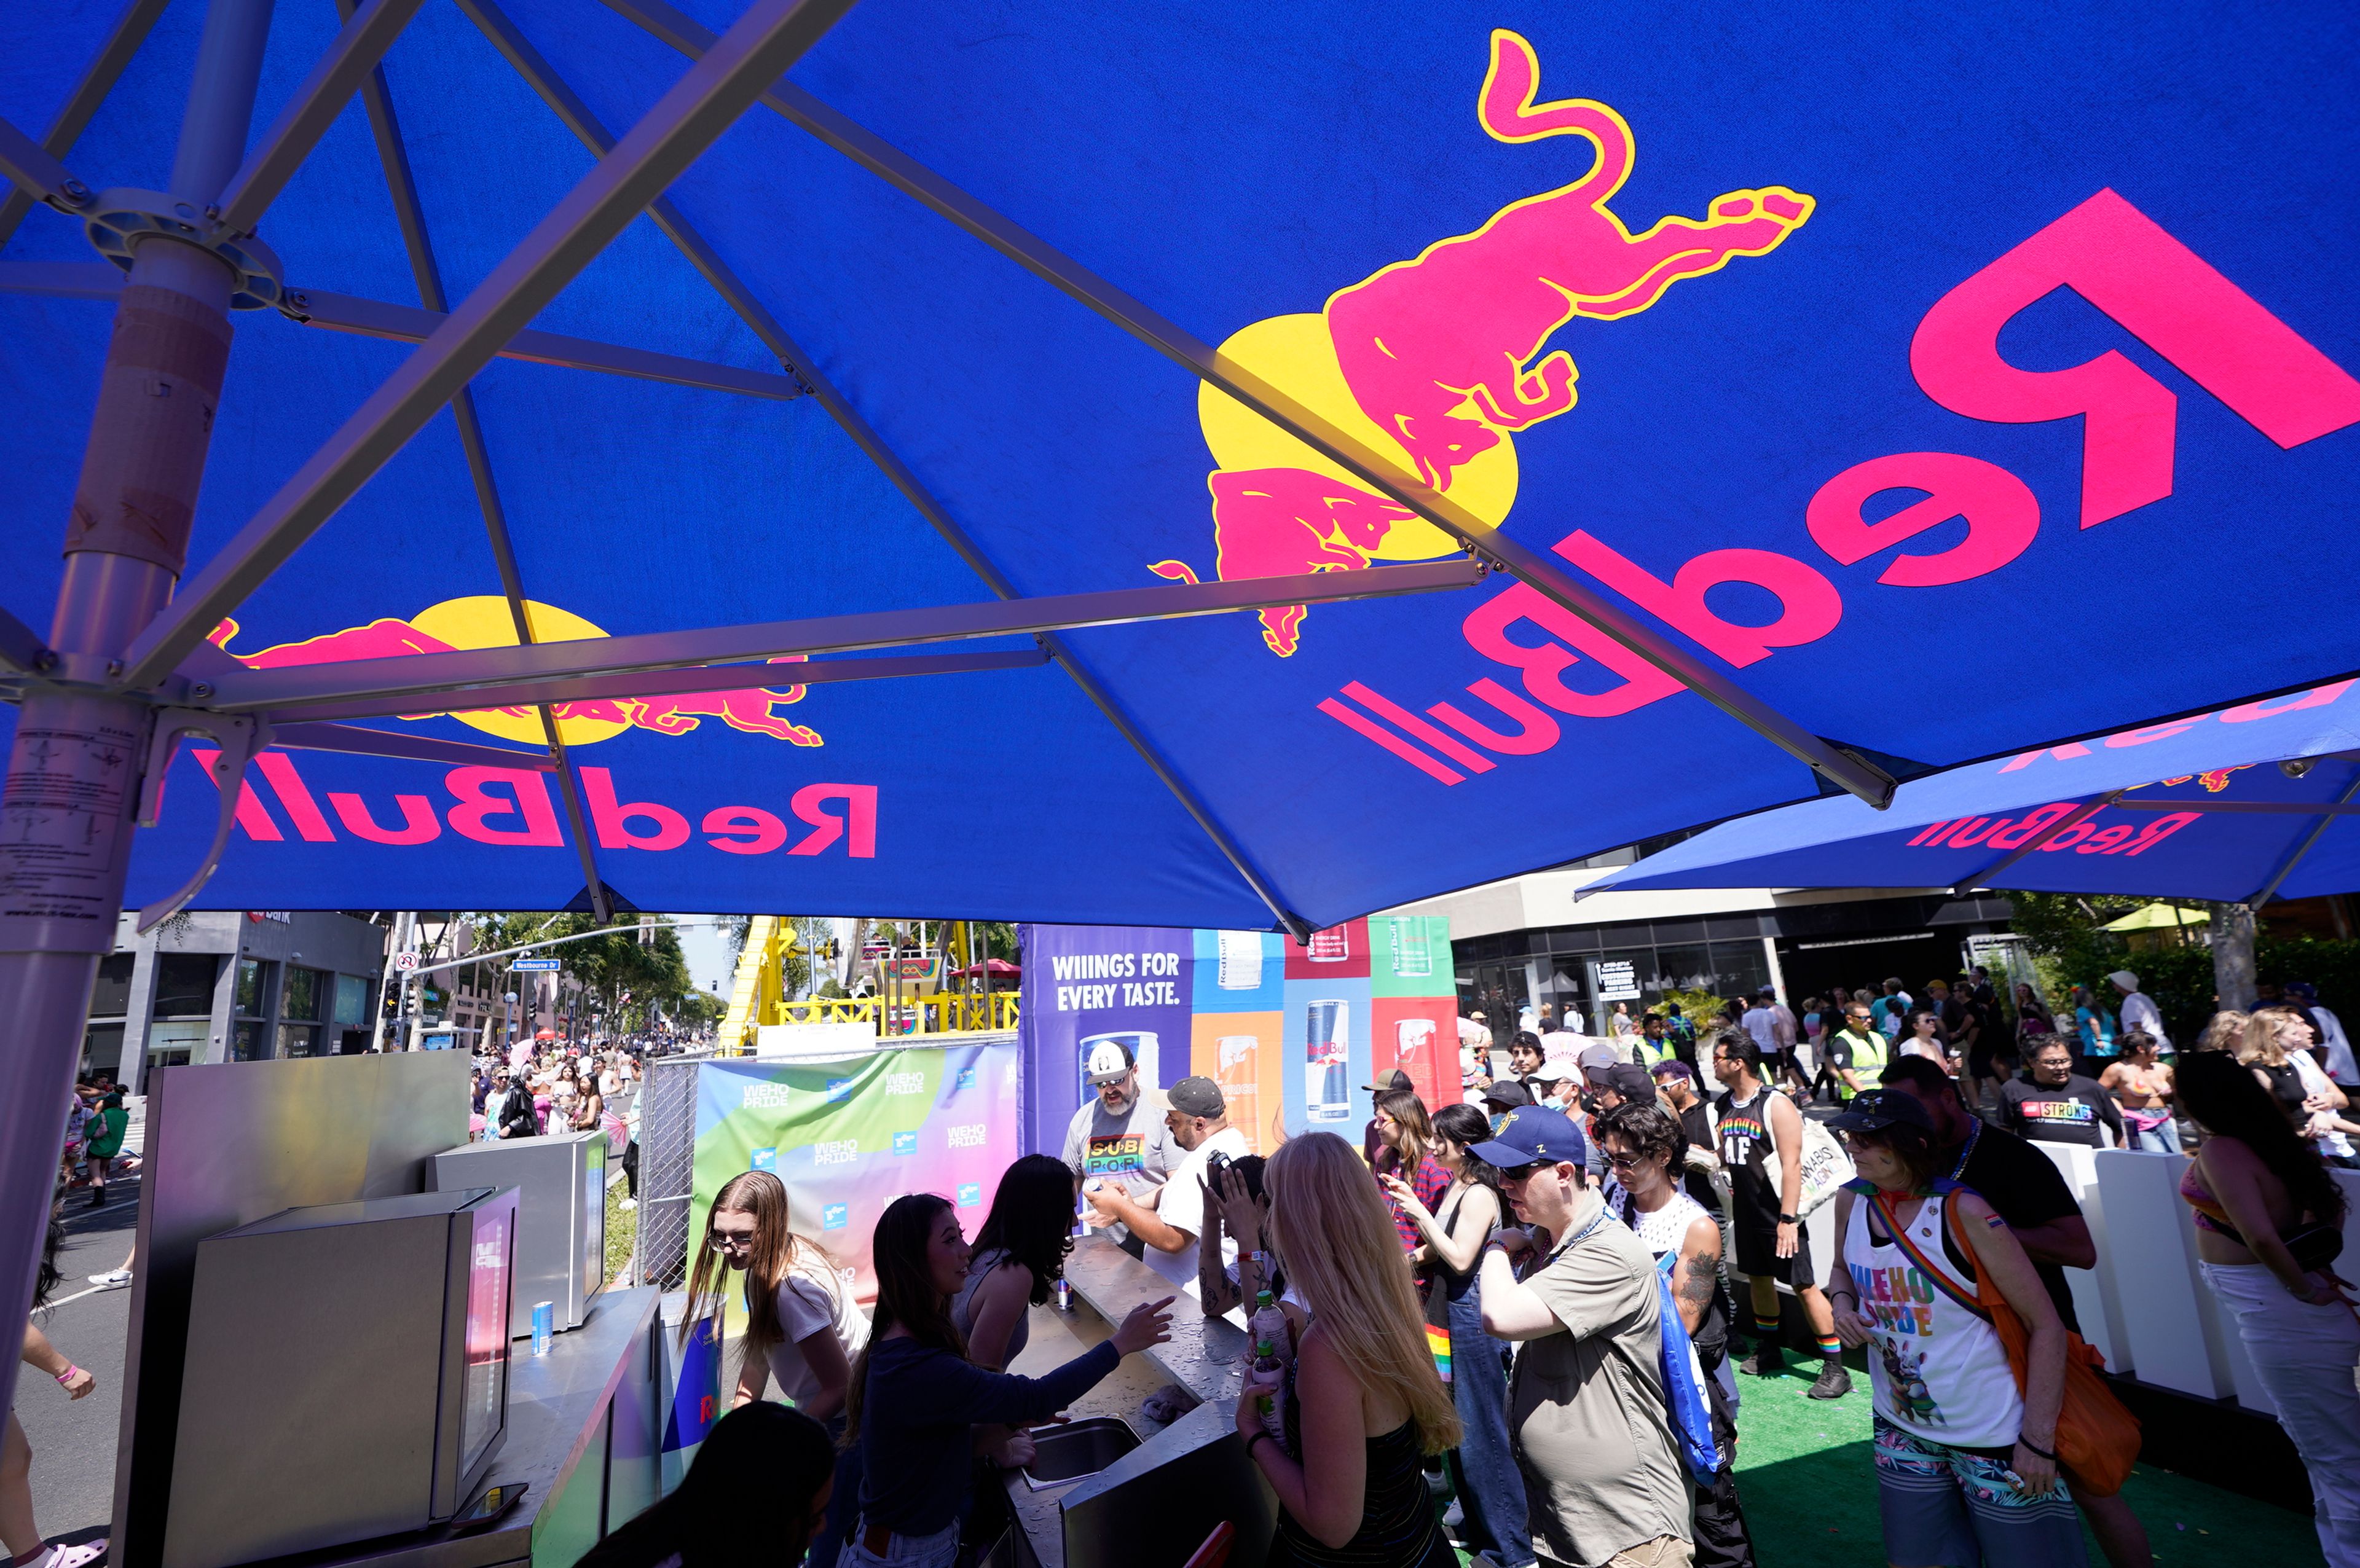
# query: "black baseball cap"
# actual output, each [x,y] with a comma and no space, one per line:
[1631,1081]
[1507,1093]
[1875,1110]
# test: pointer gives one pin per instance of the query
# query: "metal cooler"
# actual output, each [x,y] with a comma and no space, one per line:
[561,1182]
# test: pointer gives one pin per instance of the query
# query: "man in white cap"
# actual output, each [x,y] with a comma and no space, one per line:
[2139,1011]
[1119,1136]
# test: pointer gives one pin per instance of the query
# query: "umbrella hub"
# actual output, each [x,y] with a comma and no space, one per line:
[117,220]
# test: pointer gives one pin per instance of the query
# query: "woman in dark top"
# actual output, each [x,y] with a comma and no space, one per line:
[1366,1404]
[757,1489]
[916,1399]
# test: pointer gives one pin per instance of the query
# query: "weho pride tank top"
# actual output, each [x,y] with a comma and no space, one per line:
[1938,1369]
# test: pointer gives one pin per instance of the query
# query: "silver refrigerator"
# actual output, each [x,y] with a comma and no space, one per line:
[561,1182]
[348,1375]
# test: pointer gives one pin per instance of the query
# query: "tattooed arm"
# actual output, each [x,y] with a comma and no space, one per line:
[1698,1273]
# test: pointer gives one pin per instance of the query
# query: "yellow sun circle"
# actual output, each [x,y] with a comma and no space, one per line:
[482,620]
[1296,355]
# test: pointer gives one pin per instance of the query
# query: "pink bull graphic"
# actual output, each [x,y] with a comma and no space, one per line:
[749,710]
[1436,357]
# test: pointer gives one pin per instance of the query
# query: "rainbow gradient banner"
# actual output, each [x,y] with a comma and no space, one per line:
[849,1135]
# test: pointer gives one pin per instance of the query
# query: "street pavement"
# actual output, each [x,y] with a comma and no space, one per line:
[73,1440]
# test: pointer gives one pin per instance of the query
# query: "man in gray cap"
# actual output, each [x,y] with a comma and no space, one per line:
[1198,1121]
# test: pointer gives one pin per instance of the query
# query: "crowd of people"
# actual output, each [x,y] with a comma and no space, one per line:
[1532,1289]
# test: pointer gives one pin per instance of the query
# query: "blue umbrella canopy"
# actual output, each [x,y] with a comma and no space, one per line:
[1833,396]
[2241,803]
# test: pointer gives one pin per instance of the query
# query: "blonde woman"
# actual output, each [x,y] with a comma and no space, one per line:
[802,1326]
[1367,1404]
[2276,1046]
[2225,1030]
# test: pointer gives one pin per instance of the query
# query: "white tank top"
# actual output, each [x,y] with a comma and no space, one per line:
[1938,1369]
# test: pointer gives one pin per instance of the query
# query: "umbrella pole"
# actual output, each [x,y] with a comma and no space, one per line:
[75,769]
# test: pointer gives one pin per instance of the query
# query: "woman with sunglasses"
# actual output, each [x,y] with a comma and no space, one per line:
[1644,1148]
[802,1326]
[1966,1462]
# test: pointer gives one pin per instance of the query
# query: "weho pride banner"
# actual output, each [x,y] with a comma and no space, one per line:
[1291,1033]
[849,1135]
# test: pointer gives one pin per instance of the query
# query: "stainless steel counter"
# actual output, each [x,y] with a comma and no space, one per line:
[1205,1356]
[1153,1508]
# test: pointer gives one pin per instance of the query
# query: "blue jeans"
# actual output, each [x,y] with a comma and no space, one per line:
[2163,1138]
[1484,1466]
[938,1550]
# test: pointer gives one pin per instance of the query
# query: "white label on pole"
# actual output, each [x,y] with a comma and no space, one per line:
[59,823]
[1615,980]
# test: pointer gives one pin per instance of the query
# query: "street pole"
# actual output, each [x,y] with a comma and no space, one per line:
[75,768]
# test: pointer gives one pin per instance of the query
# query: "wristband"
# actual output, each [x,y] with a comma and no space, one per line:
[1788,1219]
[2036,1448]
[68,1374]
[1258,1437]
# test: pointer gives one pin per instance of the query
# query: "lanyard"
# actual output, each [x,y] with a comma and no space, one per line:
[1974,1131]
[1603,1214]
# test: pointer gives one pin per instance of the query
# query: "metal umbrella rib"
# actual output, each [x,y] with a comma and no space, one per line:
[402,186]
[1044,260]
[336,312]
[98,79]
[672,682]
[474,670]
[577,118]
[689,117]
[272,162]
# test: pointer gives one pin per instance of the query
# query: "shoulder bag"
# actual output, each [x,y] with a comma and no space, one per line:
[2097,1439]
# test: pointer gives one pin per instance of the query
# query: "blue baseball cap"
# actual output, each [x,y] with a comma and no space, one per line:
[1534,1135]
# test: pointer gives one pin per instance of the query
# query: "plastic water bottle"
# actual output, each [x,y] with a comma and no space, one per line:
[1267,1363]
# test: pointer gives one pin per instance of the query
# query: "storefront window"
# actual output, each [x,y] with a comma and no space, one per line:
[177,1044]
[110,997]
[254,976]
[246,1042]
[352,1000]
[307,993]
[298,1039]
[102,1047]
[184,984]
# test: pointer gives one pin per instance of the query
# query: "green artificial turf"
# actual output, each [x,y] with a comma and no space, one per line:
[1805,1480]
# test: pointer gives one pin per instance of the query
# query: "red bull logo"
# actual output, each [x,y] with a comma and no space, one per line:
[483,621]
[1437,363]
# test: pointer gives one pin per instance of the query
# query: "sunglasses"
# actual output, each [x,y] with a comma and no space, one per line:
[1626,1161]
[723,1241]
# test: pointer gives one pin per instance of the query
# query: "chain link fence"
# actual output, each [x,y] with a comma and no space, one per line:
[667,1171]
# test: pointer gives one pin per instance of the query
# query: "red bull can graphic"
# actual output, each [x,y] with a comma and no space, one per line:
[1436,363]
[1326,1093]
[1413,1043]
[484,621]
[1234,1056]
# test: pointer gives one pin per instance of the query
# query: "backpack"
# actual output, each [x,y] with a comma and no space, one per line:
[1685,1403]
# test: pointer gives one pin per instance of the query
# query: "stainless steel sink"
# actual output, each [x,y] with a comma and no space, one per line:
[1063,1455]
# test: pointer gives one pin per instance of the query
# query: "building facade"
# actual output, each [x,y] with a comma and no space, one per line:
[233,985]
[1531,940]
